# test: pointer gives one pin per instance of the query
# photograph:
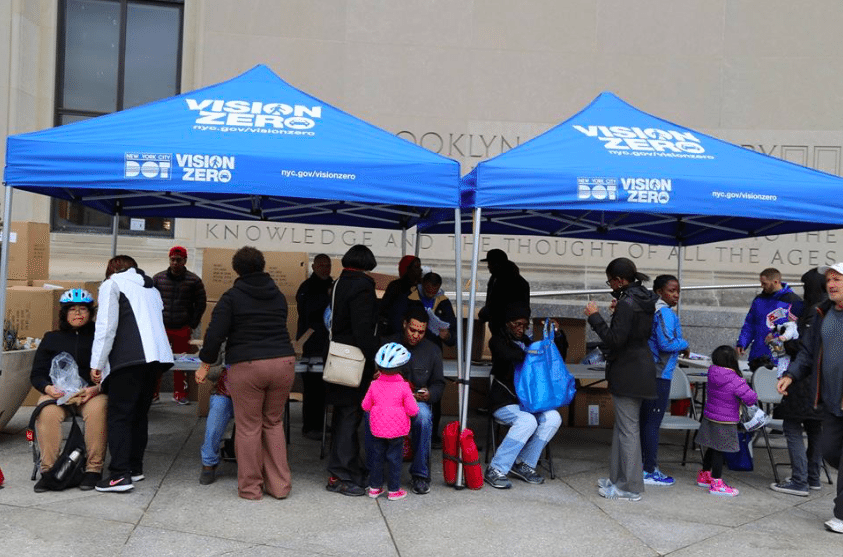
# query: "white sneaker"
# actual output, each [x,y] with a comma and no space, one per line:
[835,525]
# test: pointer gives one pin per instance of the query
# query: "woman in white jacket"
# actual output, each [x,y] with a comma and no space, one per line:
[130,348]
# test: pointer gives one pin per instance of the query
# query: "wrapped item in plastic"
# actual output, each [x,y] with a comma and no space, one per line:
[434,324]
[64,374]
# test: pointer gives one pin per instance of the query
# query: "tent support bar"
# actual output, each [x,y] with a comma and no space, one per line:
[418,242]
[115,221]
[4,263]
[460,311]
[403,242]
[463,393]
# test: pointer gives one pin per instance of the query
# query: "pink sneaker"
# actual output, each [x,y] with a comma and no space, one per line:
[396,495]
[704,478]
[374,492]
[719,487]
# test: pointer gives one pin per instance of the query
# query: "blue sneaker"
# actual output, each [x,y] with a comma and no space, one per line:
[657,478]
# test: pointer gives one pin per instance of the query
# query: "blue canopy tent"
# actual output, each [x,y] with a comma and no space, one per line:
[253,147]
[612,172]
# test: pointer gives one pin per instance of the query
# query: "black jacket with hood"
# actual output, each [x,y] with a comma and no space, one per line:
[630,369]
[252,317]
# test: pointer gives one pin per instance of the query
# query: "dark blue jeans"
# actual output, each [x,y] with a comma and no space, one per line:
[652,412]
[385,451]
[832,441]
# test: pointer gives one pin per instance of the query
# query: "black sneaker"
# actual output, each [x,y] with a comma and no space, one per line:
[208,475]
[42,484]
[524,471]
[344,488]
[790,488]
[118,483]
[90,480]
[496,479]
[421,486]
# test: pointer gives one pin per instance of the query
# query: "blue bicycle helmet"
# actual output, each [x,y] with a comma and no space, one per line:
[392,355]
[76,296]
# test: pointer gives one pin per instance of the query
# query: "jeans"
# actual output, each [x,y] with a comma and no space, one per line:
[832,442]
[527,436]
[421,432]
[385,451]
[652,412]
[220,413]
[805,465]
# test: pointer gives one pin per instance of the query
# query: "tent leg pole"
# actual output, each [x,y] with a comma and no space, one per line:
[4,263]
[463,406]
[418,243]
[115,220]
[403,242]
[679,252]
[460,311]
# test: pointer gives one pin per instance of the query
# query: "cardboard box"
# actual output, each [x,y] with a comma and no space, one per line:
[287,269]
[594,408]
[29,250]
[91,286]
[574,330]
[32,311]
[10,282]
[382,280]
[479,345]
[478,391]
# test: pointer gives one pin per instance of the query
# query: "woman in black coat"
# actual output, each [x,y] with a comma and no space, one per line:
[630,372]
[353,315]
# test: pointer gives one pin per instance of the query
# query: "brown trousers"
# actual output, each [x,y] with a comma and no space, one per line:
[259,390]
[48,431]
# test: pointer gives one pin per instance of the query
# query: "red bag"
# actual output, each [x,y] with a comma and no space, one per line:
[2,479]
[471,460]
[450,440]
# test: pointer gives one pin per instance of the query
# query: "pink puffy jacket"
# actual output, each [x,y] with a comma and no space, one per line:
[389,403]
[725,390]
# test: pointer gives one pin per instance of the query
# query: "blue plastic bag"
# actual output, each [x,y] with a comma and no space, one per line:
[741,460]
[542,382]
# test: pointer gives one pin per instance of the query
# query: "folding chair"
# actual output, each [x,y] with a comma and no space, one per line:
[493,427]
[680,388]
[764,382]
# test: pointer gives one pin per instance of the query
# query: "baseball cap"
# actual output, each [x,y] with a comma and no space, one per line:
[495,256]
[178,251]
[836,267]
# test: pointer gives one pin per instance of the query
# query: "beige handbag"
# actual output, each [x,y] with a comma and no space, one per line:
[345,363]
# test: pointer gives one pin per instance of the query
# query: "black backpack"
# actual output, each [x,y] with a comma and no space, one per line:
[69,468]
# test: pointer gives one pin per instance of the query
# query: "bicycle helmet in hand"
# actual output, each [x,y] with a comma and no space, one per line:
[392,355]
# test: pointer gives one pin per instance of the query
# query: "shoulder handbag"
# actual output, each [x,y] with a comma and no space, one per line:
[345,363]
[542,382]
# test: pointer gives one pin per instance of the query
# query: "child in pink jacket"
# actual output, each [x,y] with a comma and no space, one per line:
[390,403]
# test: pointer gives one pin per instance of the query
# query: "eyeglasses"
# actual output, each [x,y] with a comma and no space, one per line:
[609,282]
[78,309]
[519,324]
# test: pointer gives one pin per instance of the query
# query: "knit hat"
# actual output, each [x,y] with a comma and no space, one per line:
[517,310]
[405,263]
[178,251]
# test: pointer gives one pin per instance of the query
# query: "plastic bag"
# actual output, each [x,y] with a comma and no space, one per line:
[542,382]
[434,324]
[741,461]
[64,373]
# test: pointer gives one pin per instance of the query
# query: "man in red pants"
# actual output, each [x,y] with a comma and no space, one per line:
[184,303]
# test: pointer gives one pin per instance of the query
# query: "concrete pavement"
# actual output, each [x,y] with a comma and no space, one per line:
[169,513]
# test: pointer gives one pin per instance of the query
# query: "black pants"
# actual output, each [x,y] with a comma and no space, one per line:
[713,461]
[129,397]
[345,461]
[832,444]
[313,405]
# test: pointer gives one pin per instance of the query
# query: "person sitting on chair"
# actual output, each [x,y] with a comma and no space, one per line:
[75,336]
[528,433]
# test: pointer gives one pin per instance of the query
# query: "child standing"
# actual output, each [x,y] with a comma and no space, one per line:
[390,403]
[719,428]
[666,343]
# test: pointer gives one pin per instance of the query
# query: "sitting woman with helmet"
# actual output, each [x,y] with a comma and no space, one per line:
[75,336]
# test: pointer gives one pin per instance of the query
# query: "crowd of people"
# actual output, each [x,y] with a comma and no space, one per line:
[122,344]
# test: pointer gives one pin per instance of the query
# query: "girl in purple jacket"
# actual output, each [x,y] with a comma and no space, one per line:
[390,403]
[719,428]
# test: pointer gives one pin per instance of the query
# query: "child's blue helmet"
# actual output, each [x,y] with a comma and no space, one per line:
[392,355]
[76,296]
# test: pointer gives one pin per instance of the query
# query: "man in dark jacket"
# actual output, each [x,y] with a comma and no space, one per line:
[426,377]
[184,303]
[395,298]
[768,309]
[312,297]
[506,286]
[820,357]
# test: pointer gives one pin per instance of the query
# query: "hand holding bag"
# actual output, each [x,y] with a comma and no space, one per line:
[542,382]
[345,363]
